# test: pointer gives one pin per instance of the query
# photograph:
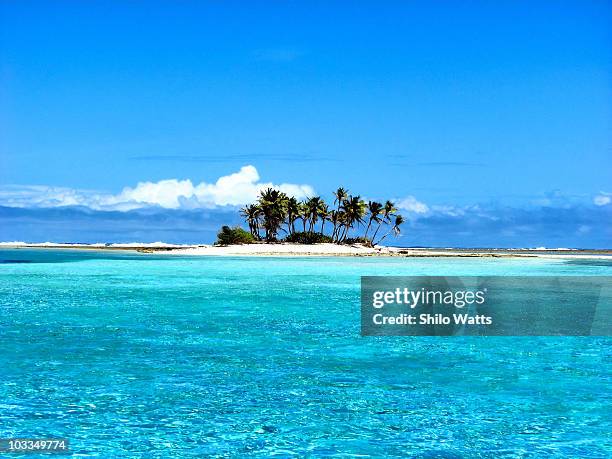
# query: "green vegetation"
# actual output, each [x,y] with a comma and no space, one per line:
[357,240]
[307,238]
[275,213]
[234,235]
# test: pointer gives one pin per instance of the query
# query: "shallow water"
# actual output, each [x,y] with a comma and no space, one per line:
[131,355]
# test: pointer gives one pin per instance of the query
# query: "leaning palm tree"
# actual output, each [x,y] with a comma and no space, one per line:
[251,214]
[395,229]
[374,209]
[334,219]
[342,224]
[388,211]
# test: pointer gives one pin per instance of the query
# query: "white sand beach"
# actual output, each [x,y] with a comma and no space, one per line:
[317,250]
[283,249]
[335,250]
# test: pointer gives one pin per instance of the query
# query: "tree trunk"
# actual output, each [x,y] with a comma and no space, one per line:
[376,232]
[345,233]
[365,236]
[383,238]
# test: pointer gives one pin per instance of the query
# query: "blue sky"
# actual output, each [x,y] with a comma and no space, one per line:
[490,121]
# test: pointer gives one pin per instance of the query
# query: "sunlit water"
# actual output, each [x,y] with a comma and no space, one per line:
[161,356]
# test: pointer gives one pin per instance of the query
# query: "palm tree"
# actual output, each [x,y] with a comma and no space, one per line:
[314,209]
[293,213]
[273,204]
[354,210]
[374,209]
[324,214]
[342,225]
[303,214]
[395,228]
[339,196]
[333,218]
[251,213]
[388,211]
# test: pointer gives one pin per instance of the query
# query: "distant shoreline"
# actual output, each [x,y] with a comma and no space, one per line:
[326,249]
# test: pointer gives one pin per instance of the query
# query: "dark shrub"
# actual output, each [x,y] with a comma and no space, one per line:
[308,238]
[234,235]
[357,240]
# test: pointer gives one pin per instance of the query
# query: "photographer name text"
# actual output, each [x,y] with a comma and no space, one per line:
[412,299]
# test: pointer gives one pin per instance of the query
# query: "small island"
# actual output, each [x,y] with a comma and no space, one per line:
[304,222]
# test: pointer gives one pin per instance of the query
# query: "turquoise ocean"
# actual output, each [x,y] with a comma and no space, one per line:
[130,355]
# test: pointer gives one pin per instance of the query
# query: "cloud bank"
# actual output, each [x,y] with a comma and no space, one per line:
[235,189]
[179,211]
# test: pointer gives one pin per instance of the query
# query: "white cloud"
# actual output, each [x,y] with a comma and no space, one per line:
[411,204]
[451,211]
[602,199]
[235,189]
[43,196]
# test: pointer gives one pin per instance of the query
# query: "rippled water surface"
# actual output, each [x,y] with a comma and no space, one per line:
[153,356]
